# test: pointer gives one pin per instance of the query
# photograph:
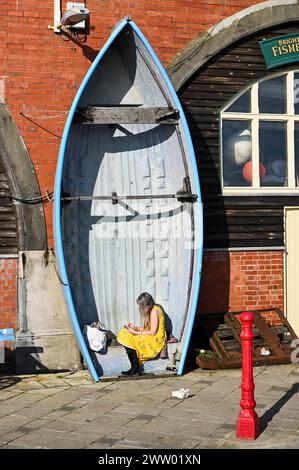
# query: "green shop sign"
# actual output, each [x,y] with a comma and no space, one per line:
[281,51]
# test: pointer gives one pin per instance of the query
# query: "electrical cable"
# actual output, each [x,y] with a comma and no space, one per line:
[37,200]
[43,117]
[194,51]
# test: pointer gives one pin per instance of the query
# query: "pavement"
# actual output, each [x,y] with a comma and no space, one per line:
[69,411]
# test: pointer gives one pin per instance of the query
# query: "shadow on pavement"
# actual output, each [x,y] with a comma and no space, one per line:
[274,410]
[7,381]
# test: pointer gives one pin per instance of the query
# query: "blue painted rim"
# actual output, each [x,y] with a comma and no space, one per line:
[57,204]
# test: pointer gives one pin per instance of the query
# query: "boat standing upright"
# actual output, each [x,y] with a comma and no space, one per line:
[127,209]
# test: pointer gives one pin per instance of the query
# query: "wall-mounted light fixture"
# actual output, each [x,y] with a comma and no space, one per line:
[73,17]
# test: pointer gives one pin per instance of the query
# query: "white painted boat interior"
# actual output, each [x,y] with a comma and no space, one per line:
[113,252]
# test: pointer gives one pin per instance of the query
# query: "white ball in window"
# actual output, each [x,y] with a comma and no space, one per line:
[239,147]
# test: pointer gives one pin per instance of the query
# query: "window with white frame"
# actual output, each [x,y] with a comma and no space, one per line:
[260,137]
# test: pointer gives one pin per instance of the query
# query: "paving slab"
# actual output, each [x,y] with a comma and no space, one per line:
[138,422]
[177,442]
[140,437]
[10,436]
[182,414]
[53,440]
[161,424]
[34,412]
[56,414]
[31,425]
[60,426]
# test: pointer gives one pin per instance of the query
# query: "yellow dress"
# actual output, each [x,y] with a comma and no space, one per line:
[146,346]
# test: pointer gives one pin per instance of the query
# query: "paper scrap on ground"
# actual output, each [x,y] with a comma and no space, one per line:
[182,393]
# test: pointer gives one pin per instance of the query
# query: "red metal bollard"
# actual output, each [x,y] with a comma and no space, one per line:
[248,425]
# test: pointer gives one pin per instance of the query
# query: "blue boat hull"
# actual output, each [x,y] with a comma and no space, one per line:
[108,252]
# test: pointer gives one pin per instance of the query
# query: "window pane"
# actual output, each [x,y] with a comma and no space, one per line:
[297,153]
[296,92]
[241,105]
[272,96]
[236,144]
[273,154]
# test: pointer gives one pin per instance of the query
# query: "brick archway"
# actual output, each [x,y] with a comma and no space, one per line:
[244,23]
[22,182]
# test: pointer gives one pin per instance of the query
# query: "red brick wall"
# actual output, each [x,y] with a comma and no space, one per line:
[234,281]
[8,293]
[42,71]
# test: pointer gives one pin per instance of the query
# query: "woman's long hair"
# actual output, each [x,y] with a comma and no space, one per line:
[146,303]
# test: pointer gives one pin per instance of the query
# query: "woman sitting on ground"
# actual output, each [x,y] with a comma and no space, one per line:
[143,343]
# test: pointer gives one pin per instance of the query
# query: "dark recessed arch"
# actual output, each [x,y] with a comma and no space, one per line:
[23,184]
[208,73]
[241,25]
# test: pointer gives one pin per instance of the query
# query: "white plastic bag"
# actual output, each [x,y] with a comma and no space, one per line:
[96,338]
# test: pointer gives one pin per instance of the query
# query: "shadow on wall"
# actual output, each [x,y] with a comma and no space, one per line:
[215,278]
[88,52]
[213,298]
[29,360]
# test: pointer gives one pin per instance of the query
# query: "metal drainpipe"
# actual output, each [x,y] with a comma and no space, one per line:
[22,294]
[57,14]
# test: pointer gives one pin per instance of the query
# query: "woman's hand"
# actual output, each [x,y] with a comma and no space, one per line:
[132,331]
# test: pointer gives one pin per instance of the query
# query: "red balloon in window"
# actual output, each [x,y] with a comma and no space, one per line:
[247,171]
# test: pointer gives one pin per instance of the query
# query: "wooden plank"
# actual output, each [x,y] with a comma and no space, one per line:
[7,208]
[231,221]
[191,100]
[243,229]
[264,214]
[215,347]
[236,329]
[196,87]
[7,227]
[231,345]
[7,234]
[13,250]
[126,115]
[226,244]
[269,336]
[220,346]
[246,236]
[8,241]
[239,67]
[247,75]
[7,217]
[214,363]
[227,353]
[286,323]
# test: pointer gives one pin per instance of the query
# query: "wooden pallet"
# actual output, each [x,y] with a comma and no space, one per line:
[223,331]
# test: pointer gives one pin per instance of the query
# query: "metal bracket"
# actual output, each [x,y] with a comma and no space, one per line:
[183,195]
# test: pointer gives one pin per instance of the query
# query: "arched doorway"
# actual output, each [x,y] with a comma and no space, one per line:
[244,232]
[30,297]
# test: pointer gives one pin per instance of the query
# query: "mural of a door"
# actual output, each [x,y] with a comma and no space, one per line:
[292,266]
